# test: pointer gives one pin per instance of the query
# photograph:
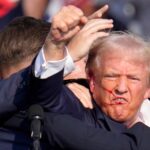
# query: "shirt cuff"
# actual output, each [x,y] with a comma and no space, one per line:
[69,64]
[44,69]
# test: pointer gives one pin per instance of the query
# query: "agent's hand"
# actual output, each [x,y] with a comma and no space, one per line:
[81,43]
[99,13]
[82,93]
[68,21]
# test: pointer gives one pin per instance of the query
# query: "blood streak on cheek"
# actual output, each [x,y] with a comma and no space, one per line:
[110,94]
[109,91]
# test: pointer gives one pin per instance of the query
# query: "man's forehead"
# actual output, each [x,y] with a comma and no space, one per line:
[127,64]
[122,53]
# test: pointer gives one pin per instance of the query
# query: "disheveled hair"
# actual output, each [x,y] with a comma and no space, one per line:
[125,42]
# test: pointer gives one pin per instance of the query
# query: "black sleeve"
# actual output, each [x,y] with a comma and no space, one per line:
[65,132]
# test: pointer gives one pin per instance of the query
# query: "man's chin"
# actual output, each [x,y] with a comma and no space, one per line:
[119,116]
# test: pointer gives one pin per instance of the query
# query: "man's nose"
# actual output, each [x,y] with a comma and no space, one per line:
[121,86]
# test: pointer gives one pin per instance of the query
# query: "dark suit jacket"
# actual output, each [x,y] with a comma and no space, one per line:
[14,93]
[20,91]
[69,133]
[17,93]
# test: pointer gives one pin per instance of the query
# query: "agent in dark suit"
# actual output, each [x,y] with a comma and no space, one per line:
[16,54]
[20,41]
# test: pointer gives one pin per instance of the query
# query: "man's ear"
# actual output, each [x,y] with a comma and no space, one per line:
[91,84]
[91,80]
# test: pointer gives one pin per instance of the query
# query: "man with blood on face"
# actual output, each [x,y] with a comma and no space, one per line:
[118,74]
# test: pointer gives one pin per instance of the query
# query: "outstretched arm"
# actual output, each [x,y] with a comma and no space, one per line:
[66,21]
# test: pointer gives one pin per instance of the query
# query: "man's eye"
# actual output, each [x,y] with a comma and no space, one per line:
[134,78]
[110,76]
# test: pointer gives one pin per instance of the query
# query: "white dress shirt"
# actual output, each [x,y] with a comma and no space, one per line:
[144,112]
[45,69]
